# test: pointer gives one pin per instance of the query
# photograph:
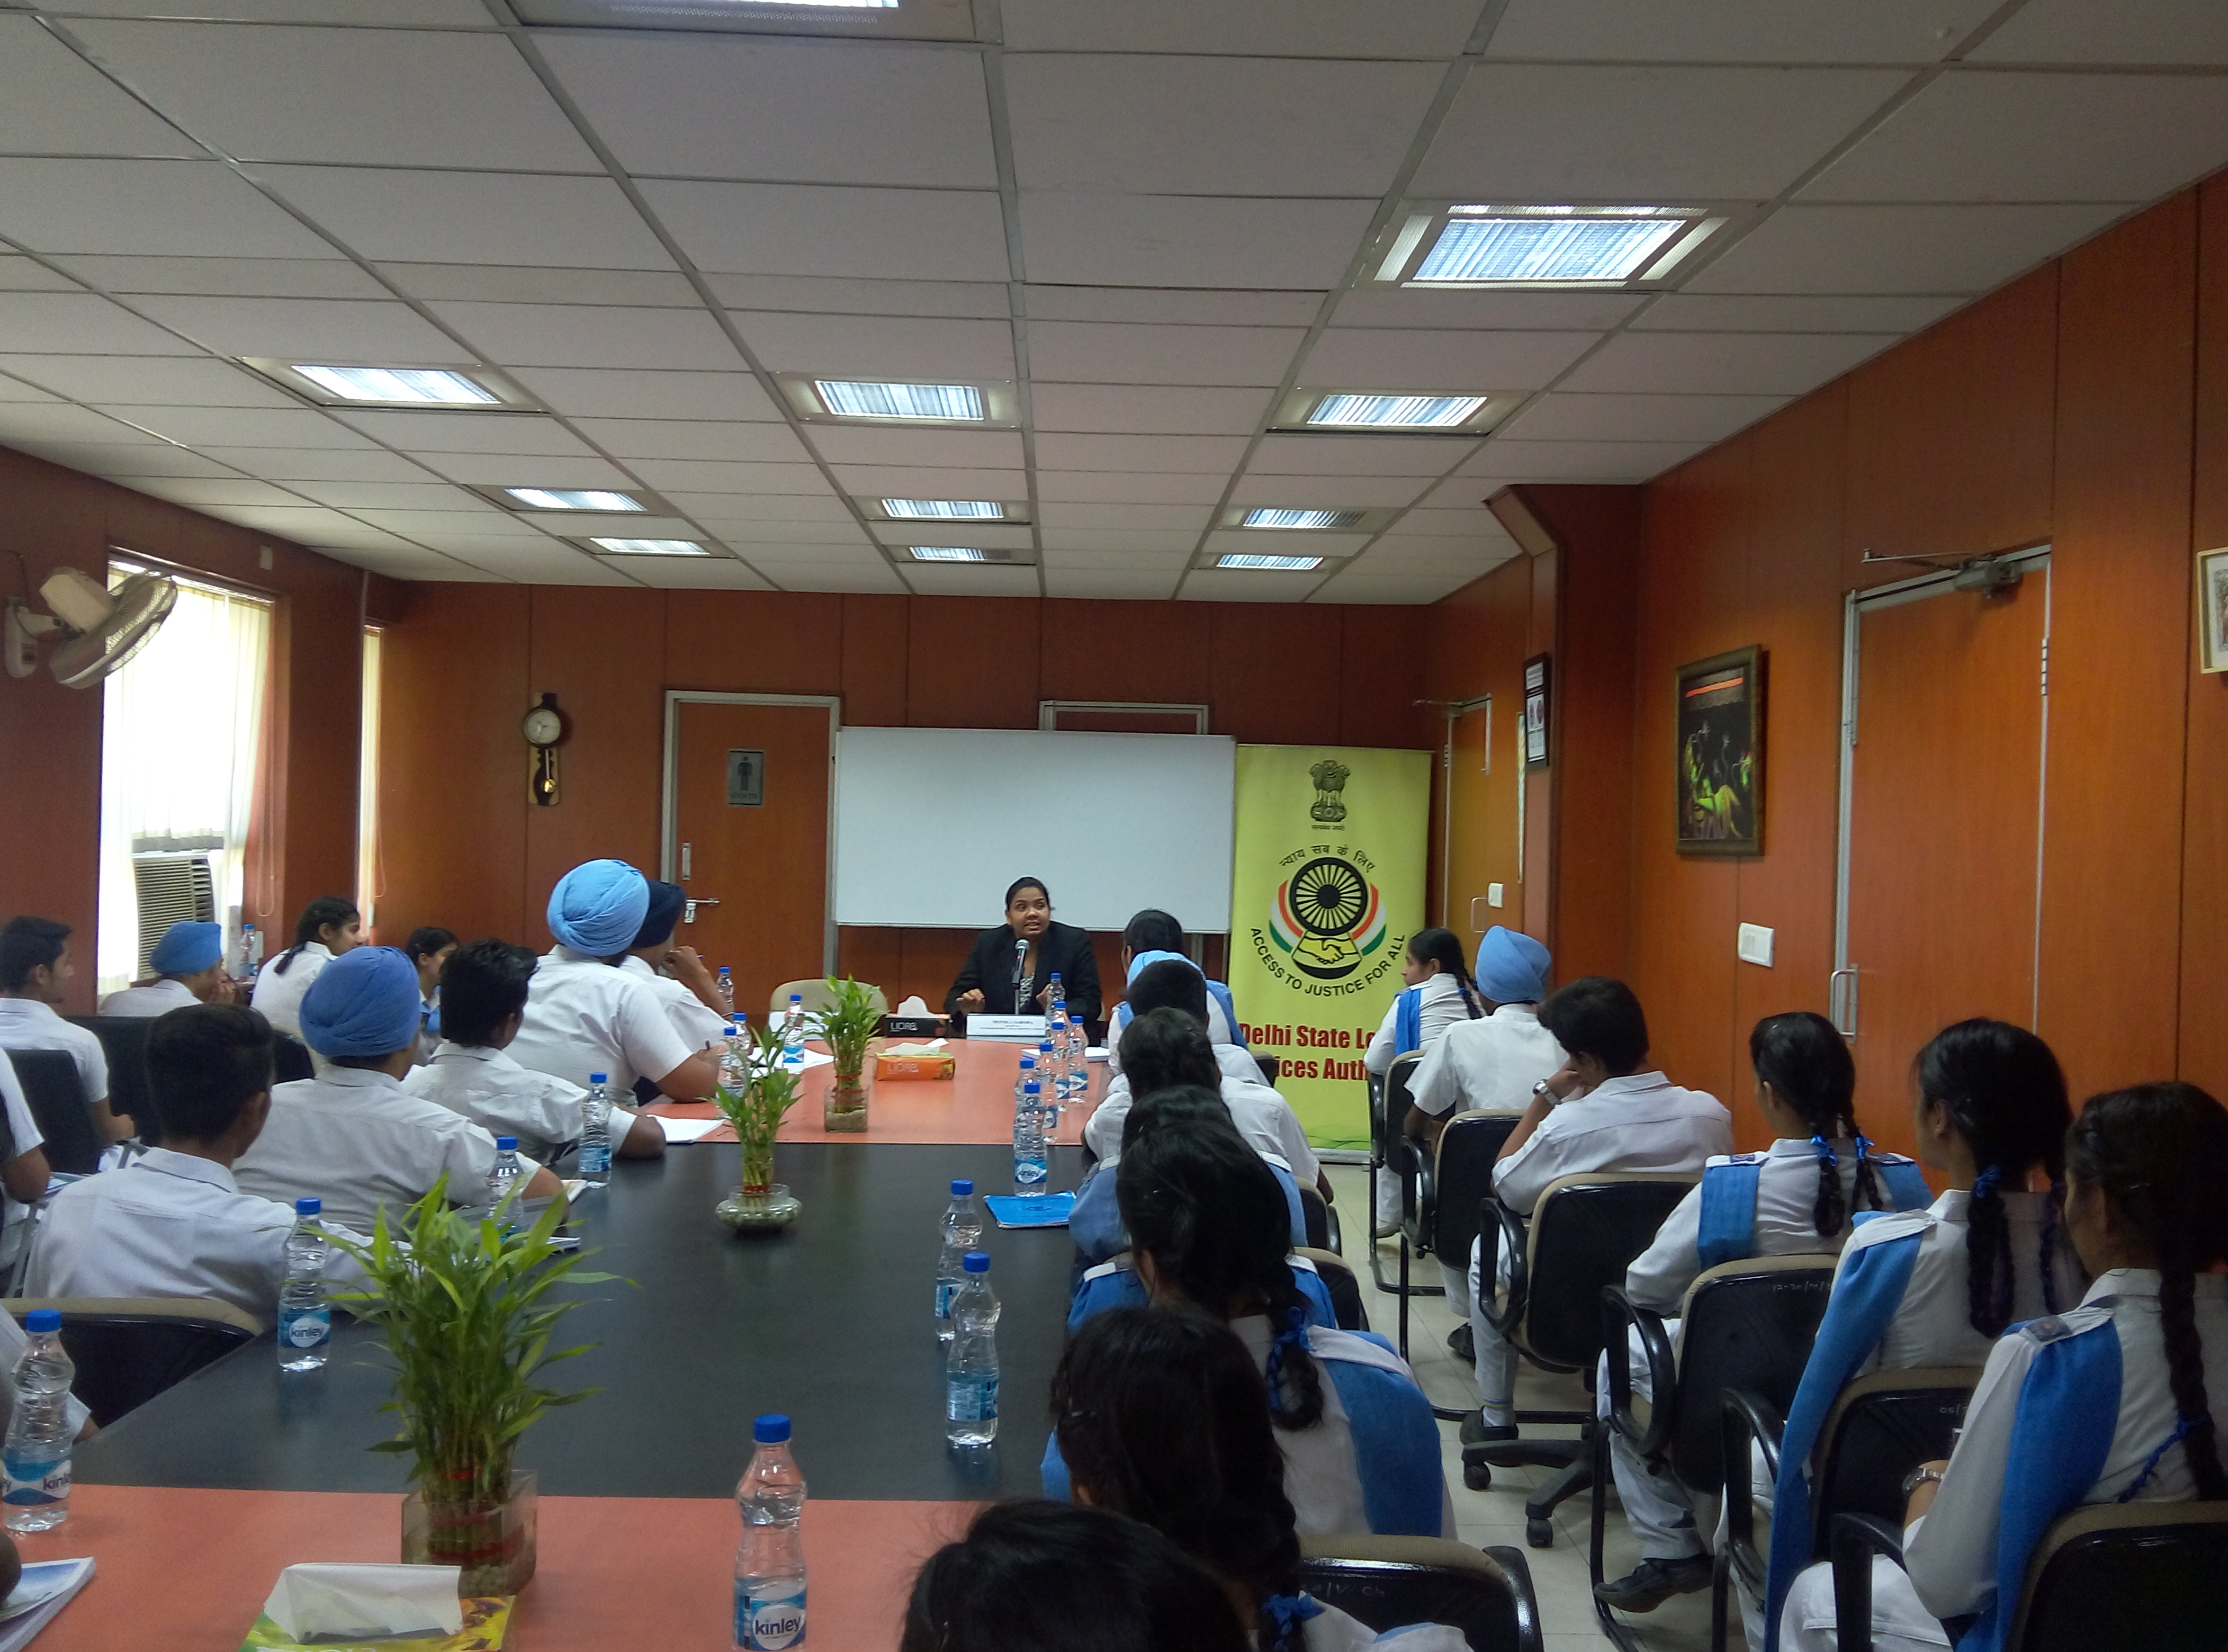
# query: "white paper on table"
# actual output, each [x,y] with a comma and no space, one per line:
[1096,1053]
[912,1006]
[1008,1030]
[685,1129]
[339,1602]
[46,1587]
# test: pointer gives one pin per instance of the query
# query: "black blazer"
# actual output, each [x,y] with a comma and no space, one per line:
[1062,947]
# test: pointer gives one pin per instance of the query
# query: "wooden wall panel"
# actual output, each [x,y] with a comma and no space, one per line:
[876,630]
[754,641]
[1276,671]
[2203,1057]
[1380,676]
[320,663]
[1476,643]
[971,663]
[1124,650]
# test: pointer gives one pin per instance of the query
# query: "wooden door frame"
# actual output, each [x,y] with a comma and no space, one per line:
[1457,710]
[1841,1003]
[670,788]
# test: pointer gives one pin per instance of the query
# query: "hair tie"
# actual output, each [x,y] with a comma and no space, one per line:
[1289,1612]
[1294,1336]
[1863,1146]
[1987,1182]
[1826,1155]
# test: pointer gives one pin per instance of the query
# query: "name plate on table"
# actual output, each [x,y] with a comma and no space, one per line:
[1008,1030]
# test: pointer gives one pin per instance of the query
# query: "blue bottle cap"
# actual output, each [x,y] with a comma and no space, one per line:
[600,1078]
[1055,975]
[506,1144]
[962,1188]
[1031,1088]
[976,1262]
[797,997]
[730,1029]
[1028,1063]
[308,1206]
[773,1429]
[49,1319]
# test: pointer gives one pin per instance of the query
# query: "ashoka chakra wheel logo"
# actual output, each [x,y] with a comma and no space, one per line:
[1329,917]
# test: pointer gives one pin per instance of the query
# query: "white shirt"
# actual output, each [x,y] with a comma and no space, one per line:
[356,1139]
[21,1124]
[1218,1031]
[1264,1118]
[1332,1630]
[1951,1552]
[1640,1122]
[165,1225]
[696,1022]
[1441,1007]
[584,1016]
[504,1098]
[27,1024]
[1489,1064]
[156,998]
[280,996]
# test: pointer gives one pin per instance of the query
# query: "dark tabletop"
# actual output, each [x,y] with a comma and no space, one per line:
[831,1323]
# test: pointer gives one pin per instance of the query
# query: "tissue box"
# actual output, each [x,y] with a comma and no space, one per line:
[898,1025]
[486,1622]
[340,1608]
[902,1066]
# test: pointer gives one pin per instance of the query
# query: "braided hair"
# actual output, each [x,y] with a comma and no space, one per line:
[1445,948]
[335,910]
[1210,1214]
[1161,1417]
[1808,1068]
[2004,1093]
[2158,1155]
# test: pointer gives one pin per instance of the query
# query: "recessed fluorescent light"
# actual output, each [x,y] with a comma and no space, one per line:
[868,399]
[650,547]
[403,386]
[1487,246]
[1396,413]
[1264,516]
[943,509]
[1288,564]
[573,499]
[946,553]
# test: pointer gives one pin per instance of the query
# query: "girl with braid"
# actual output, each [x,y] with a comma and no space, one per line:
[2107,1402]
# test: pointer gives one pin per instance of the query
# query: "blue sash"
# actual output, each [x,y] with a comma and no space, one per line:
[1864,1300]
[1408,1022]
[1903,1182]
[1110,1287]
[1215,989]
[1396,1448]
[1727,1230]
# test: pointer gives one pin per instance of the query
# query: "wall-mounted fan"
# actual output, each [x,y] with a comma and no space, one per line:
[98,628]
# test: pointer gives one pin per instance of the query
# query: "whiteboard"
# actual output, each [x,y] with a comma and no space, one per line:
[932,825]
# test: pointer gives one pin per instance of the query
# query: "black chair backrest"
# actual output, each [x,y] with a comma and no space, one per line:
[1884,1426]
[1492,1610]
[1399,1147]
[1586,1232]
[124,1041]
[60,1108]
[1272,1068]
[125,1360]
[2108,1577]
[1467,1150]
[291,1059]
[1345,1289]
[1317,1216]
[1746,1325]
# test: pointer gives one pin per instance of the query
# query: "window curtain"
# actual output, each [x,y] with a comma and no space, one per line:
[181,734]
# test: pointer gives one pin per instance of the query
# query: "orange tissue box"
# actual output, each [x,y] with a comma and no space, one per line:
[907,1062]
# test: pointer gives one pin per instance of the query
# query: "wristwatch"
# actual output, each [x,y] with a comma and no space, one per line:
[1540,1092]
[1919,1476]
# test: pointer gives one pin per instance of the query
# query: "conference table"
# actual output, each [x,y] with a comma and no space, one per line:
[191,1504]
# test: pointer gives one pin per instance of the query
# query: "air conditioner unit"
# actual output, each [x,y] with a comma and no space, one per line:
[172,888]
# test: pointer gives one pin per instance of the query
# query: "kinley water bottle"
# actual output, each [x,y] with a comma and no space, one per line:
[37,1453]
[961,1231]
[595,1157]
[506,1173]
[970,1371]
[792,1034]
[305,1320]
[770,1563]
[1030,1165]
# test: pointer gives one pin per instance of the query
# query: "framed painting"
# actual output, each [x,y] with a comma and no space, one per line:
[2213,610]
[1535,711]
[1720,757]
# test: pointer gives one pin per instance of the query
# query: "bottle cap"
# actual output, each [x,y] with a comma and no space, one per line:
[1055,975]
[976,1262]
[600,1078]
[797,997]
[1031,1088]
[773,1429]
[50,1319]
[730,1029]
[506,1144]
[308,1206]
[962,1188]
[723,969]
[1028,1063]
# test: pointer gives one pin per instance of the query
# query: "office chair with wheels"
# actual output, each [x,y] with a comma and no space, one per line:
[1388,1582]
[1451,1184]
[814,991]
[124,1041]
[128,1349]
[61,1108]
[1402,1160]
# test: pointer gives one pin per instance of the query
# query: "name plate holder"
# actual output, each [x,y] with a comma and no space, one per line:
[1008,1030]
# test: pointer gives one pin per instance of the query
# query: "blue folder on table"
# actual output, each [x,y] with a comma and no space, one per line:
[1031,1210]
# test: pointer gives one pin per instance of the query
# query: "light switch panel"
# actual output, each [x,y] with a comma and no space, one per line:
[1755,946]
[1496,895]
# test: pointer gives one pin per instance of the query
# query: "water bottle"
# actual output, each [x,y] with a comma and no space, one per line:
[305,1322]
[792,1034]
[1030,1166]
[725,988]
[595,1157]
[960,1232]
[250,946]
[1030,1074]
[735,1055]
[37,1453]
[508,1173]
[1049,1073]
[970,1374]
[770,1563]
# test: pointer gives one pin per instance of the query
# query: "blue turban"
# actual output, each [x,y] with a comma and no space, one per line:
[1512,967]
[1142,960]
[598,908]
[364,1002]
[666,901]
[186,948]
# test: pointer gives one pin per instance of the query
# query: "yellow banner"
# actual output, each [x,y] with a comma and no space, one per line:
[1327,886]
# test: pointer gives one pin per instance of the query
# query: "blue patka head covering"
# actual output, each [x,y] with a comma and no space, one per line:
[1512,967]
[364,1002]
[666,901]
[598,907]
[186,948]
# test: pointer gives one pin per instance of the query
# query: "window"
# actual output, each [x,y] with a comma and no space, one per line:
[367,787]
[182,747]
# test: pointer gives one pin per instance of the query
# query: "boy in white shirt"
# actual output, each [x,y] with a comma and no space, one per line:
[690,995]
[483,990]
[171,1222]
[35,970]
[185,969]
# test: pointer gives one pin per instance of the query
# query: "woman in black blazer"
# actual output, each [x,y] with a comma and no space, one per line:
[986,982]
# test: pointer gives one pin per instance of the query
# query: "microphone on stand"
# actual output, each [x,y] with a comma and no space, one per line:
[1021,958]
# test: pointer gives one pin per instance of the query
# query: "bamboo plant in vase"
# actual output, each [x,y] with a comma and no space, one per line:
[848,1027]
[761,1204]
[466,1307]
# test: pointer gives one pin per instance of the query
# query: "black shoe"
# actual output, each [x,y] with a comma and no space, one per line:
[1651,1583]
[1461,1344]
[1475,1430]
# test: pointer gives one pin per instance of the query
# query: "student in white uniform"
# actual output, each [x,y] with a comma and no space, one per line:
[1153,937]
[583,1015]
[2107,1402]
[353,1136]
[1603,1108]
[1796,1199]
[171,1222]
[691,996]
[330,927]
[35,970]
[1937,1287]
[483,994]
[428,949]
[24,1177]
[1439,993]
[1163,1416]
[186,968]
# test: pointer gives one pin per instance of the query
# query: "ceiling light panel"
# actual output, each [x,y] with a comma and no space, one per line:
[649,546]
[383,386]
[912,403]
[1274,564]
[1270,516]
[1404,412]
[948,510]
[1462,245]
[946,553]
[913,20]
[571,499]
[1300,516]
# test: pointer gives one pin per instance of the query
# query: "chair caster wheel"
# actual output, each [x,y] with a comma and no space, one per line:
[1540,1534]
[1477,1476]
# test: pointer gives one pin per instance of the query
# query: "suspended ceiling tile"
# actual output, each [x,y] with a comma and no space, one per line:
[816,111]
[592,524]
[883,347]
[697,573]
[1262,541]
[559,565]
[52,102]
[1594,312]
[58,421]
[1074,545]
[1088,239]
[2008,137]
[751,532]
[20,274]
[963,449]
[877,576]
[301,523]
[1735,31]
[431,494]
[1703,312]
[980,581]
[856,296]
[1329,492]
[631,393]
[80,323]
[981,535]
[503,218]
[427,527]
[150,381]
[1724,363]
[118,459]
[409,562]
[2129,31]
[1642,135]
[1637,418]
[1412,358]
[679,438]
[780,511]
[1431,28]
[810,229]
[720,475]
[1176,306]
[309,330]
[1917,249]
[1163,410]
[524,335]
[1580,461]
[319,465]
[246,277]
[16,390]
[1454,508]
[1393,590]
[512,284]
[1358,455]
[167,207]
[930,482]
[1127,487]
[1215,455]
[468,432]
[1249,585]
[1213,125]
[362,97]
[1068,513]
[392,14]
[242,426]
[1108,585]
[1112,352]
[517,470]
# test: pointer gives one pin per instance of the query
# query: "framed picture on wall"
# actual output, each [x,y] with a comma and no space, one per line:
[1720,756]
[2213,610]
[1535,712]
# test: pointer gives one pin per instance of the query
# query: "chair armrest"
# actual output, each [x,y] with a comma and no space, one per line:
[1856,1539]
[1336,1234]
[1425,1228]
[1620,1314]
[1495,1222]
[1380,1146]
[1747,1418]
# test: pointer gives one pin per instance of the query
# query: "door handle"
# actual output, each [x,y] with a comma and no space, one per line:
[1841,1000]
[688,912]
